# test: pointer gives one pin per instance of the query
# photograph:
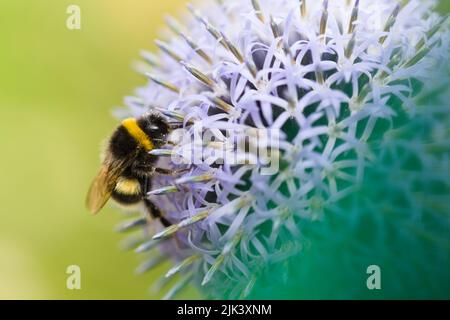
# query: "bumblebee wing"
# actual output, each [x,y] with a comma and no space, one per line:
[105,182]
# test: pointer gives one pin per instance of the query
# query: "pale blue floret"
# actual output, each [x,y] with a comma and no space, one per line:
[239,64]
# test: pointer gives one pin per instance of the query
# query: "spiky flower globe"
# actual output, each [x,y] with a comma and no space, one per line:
[289,109]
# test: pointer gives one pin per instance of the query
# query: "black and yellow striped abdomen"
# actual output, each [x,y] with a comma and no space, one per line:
[128,191]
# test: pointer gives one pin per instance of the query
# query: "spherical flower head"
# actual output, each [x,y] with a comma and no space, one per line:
[279,105]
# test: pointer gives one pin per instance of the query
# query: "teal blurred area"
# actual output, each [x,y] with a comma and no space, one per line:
[395,226]
[444,7]
[390,238]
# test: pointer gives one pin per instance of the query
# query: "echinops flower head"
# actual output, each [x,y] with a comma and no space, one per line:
[281,104]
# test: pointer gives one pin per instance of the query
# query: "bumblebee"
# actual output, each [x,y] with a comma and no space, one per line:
[127,168]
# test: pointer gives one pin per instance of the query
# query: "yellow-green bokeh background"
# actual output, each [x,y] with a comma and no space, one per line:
[57,88]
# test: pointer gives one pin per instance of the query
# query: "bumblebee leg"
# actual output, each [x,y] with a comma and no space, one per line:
[175,125]
[155,213]
[152,210]
[168,172]
[145,186]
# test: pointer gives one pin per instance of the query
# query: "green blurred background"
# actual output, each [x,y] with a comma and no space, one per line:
[57,88]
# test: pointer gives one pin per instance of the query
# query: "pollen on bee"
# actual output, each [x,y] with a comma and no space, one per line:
[128,186]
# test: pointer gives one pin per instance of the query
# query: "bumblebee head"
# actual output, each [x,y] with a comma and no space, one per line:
[155,127]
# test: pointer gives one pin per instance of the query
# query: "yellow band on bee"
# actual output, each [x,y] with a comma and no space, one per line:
[137,133]
[128,186]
